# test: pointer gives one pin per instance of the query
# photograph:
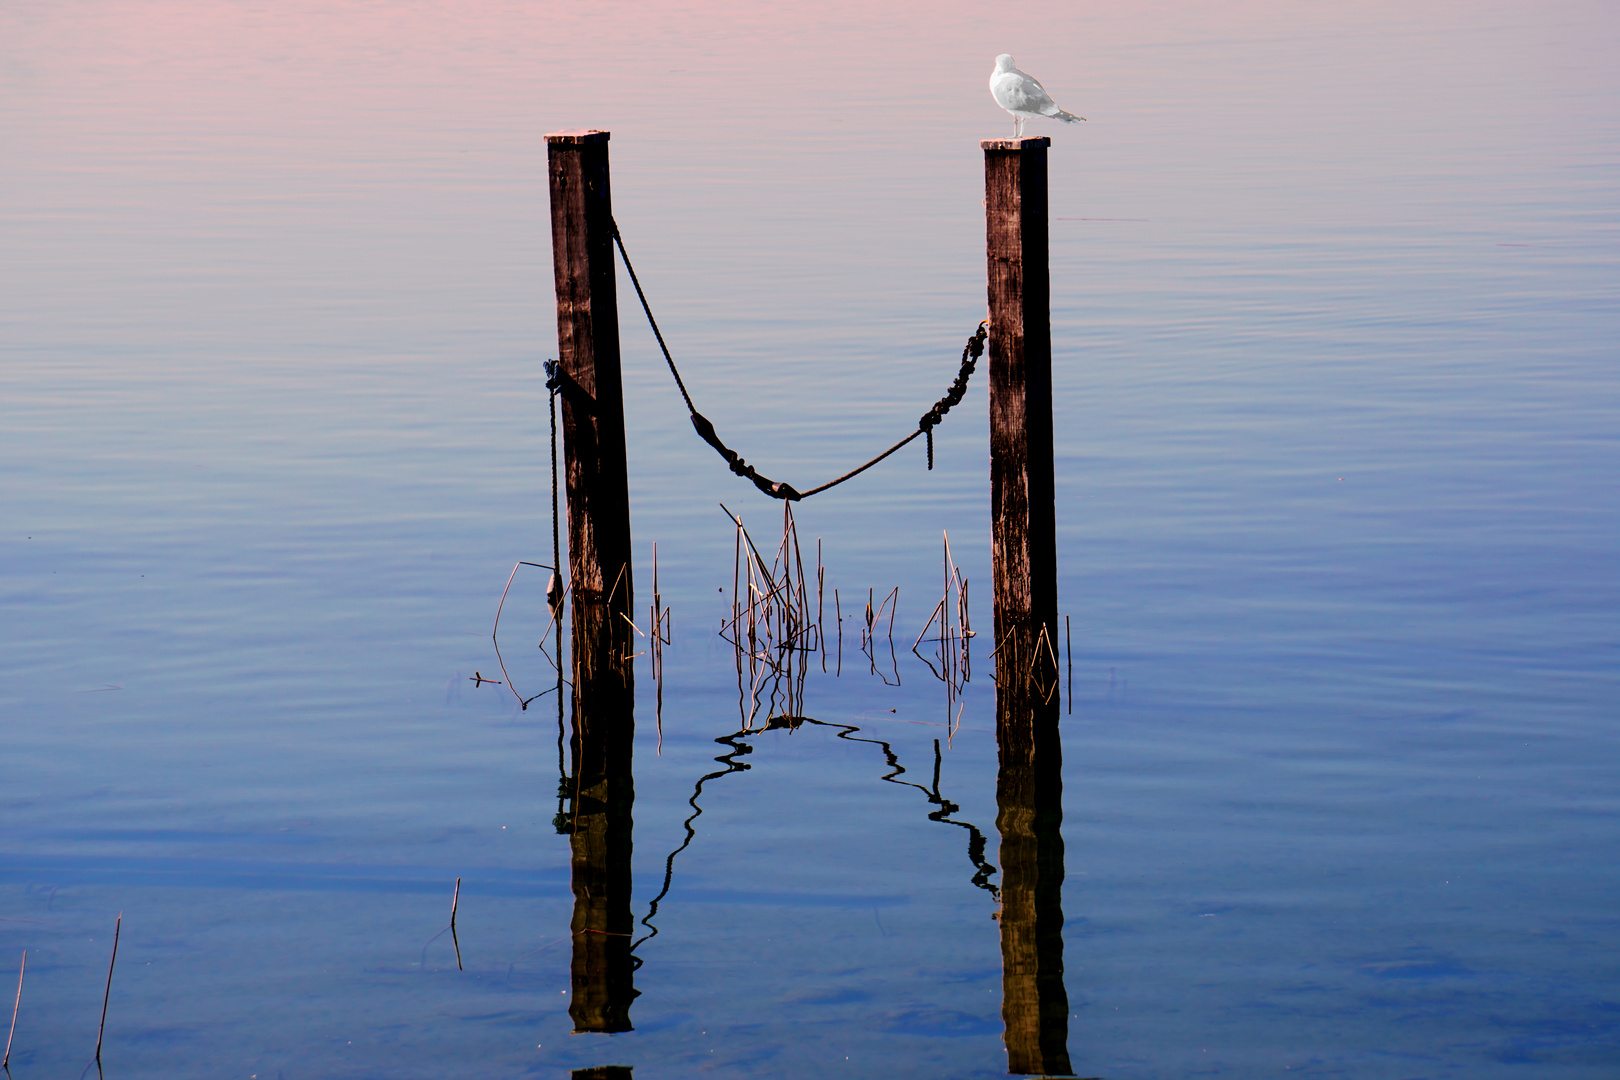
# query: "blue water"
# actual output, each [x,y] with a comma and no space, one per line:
[1334,310]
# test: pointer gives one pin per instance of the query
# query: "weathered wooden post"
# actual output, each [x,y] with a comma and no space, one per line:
[598,575]
[1022,517]
[592,407]
[1029,783]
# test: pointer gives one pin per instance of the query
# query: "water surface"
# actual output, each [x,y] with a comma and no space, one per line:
[1334,305]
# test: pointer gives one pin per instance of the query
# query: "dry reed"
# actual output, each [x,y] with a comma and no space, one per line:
[951,659]
[118,928]
[6,1061]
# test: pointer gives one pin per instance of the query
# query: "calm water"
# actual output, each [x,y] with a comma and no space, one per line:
[1335,297]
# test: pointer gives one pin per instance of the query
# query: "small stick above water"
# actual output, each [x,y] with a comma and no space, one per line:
[455,899]
[1068,653]
[7,1059]
[821,607]
[838,613]
[107,994]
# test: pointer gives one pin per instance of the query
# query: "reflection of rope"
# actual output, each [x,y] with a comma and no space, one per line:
[976,840]
[782,489]
[731,766]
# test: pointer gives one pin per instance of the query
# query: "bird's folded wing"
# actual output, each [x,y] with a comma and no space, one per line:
[1024,95]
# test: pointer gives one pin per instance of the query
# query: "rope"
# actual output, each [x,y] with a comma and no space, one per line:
[553,383]
[782,489]
[554,594]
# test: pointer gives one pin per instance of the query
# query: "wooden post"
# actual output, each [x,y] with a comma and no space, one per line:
[1029,817]
[598,575]
[1023,526]
[602,970]
[592,410]
[1022,516]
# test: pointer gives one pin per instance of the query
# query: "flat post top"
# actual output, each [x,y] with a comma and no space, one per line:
[578,137]
[1029,142]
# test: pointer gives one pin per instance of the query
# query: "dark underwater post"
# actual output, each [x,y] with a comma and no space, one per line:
[599,579]
[604,797]
[1029,817]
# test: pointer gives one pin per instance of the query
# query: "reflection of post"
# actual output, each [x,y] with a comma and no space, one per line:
[1029,802]
[604,794]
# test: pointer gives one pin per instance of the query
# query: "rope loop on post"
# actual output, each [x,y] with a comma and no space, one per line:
[781,489]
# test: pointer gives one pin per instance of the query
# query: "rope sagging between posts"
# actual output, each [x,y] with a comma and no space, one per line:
[779,489]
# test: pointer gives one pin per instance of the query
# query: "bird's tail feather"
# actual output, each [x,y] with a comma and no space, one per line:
[1067,117]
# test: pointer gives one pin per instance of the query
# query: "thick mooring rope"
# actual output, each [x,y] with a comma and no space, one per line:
[782,489]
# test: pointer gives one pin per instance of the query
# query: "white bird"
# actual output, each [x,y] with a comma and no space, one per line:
[1023,96]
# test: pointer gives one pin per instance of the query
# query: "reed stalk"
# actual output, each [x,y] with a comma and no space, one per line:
[106,995]
[6,1061]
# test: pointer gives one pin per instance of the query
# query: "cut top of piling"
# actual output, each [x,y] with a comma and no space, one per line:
[578,137]
[1027,142]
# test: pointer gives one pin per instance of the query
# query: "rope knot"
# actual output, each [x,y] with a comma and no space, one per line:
[976,342]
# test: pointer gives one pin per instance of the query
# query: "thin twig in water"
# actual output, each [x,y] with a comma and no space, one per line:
[508,589]
[821,605]
[455,902]
[616,582]
[1068,654]
[659,640]
[118,928]
[511,964]
[556,610]
[18,1004]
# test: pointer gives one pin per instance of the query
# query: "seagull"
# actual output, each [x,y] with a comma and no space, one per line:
[1023,96]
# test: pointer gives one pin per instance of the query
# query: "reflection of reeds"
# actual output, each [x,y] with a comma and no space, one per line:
[455,902]
[874,619]
[662,621]
[555,596]
[660,628]
[776,626]
[1032,669]
[951,660]
[771,630]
